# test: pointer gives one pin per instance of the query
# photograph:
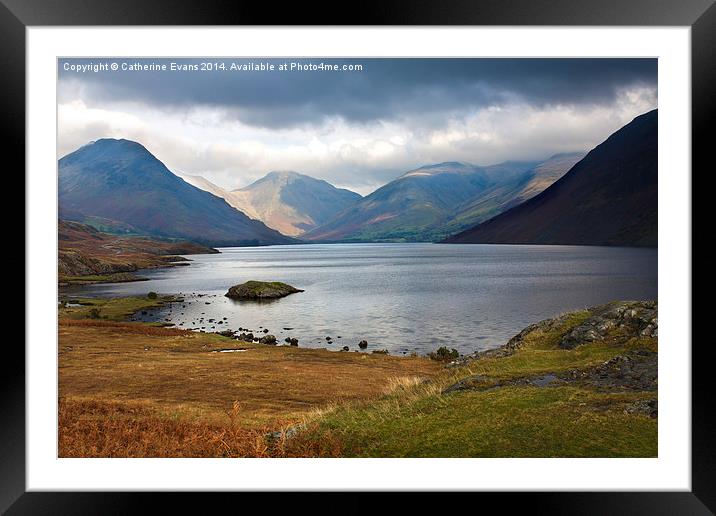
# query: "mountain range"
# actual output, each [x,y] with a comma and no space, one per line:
[287,201]
[435,201]
[608,198]
[122,184]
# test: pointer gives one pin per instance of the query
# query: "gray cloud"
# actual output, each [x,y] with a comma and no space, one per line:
[384,89]
[354,129]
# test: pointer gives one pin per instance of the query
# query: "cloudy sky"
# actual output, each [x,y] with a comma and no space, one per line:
[357,128]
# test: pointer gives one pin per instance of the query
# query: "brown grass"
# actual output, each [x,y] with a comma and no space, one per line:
[134,390]
[95,428]
[125,327]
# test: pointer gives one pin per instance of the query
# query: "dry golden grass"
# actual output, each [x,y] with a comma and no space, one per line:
[125,327]
[132,383]
[112,429]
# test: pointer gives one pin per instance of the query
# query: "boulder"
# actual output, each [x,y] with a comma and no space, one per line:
[363,344]
[268,339]
[632,318]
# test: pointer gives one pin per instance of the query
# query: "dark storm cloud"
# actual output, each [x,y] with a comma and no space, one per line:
[386,89]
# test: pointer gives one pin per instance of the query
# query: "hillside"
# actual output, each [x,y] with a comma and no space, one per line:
[122,181]
[289,202]
[434,201]
[608,198]
[86,255]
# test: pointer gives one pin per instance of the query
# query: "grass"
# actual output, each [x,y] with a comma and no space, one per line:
[540,353]
[110,429]
[136,390]
[117,277]
[177,373]
[417,420]
[113,309]
[506,422]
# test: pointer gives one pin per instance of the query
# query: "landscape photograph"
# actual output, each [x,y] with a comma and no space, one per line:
[357,257]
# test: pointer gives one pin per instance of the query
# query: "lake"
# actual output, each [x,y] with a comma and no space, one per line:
[400,297]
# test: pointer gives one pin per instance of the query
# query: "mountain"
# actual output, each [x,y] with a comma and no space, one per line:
[240,202]
[502,197]
[121,181]
[432,202]
[608,198]
[289,202]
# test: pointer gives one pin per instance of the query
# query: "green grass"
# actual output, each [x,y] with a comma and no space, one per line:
[506,422]
[417,420]
[114,309]
[117,277]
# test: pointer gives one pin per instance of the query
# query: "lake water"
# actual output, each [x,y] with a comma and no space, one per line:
[401,297]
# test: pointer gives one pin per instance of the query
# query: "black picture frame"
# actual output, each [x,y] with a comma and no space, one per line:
[17,15]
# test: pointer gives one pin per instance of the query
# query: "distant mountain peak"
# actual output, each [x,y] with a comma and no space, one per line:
[117,143]
[433,201]
[285,200]
[446,167]
[120,180]
[609,197]
[561,155]
[284,173]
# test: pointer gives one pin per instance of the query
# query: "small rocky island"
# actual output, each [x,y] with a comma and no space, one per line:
[258,290]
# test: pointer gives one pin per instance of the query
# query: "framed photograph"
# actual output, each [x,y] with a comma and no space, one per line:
[434,250]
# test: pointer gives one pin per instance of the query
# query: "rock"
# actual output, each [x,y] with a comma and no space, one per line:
[268,339]
[246,337]
[470,383]
[287,340]
[256,290]
[363,344]
[635,370]
[294,342]
[647,407]
[265,330]
[346,348]
[635,318]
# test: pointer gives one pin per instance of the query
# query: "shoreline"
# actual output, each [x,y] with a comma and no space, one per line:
[151,390]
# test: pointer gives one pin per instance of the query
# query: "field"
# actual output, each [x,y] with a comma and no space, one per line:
[139,390]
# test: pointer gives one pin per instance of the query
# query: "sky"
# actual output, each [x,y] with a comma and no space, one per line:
[357,123]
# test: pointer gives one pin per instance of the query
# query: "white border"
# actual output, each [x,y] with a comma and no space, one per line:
[670,471]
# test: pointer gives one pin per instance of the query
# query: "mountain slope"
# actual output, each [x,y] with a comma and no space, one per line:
[289,202]
[235,199]
[504,197]
[608,198]
[85,255]
[435,201]
[122,181]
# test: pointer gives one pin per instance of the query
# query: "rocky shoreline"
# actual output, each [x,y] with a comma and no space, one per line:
[619,323]
[87,256]
[619,320]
